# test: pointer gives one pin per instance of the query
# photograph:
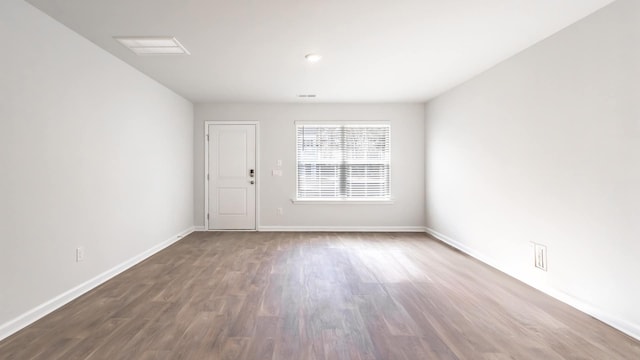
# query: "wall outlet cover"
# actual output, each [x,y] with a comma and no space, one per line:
[540,256]
[80,254]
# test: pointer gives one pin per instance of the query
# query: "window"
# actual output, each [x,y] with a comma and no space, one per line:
[343,161]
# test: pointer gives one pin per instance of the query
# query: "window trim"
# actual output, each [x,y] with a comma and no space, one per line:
[390,201]
[345,201]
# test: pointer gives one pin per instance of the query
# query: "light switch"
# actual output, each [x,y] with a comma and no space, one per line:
[278,162]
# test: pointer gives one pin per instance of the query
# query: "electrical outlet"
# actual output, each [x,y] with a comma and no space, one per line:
[80,254]
[279,211]
[540,256]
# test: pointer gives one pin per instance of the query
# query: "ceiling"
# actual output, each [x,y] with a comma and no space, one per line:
[373,50]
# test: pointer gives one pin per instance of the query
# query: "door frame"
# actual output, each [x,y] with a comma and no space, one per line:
[206,170]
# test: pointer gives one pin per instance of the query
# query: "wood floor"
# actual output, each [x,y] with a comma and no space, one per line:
[315,296]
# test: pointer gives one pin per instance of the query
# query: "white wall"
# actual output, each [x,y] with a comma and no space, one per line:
[92,153]
[545,148]
[278,143]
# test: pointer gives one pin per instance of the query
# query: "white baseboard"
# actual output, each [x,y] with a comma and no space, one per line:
[199,228]
[626,327]
[26,319]
[343,228]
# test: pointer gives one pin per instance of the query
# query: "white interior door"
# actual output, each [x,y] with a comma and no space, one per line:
[232,177]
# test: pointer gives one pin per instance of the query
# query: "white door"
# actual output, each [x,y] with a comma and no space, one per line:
[232,177]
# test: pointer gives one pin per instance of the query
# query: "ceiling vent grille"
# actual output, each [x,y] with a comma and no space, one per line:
[152,45]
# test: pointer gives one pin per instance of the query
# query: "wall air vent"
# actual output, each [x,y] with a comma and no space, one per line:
[146,45]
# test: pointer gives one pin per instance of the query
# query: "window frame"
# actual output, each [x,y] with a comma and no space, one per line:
[344,201]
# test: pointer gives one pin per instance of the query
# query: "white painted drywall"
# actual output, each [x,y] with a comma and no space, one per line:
[278,143]
[92,153]
[545,148]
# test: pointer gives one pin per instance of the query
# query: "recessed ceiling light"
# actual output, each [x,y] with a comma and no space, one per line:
[312,58]
[152,45]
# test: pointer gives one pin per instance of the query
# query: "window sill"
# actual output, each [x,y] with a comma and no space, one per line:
[341,202]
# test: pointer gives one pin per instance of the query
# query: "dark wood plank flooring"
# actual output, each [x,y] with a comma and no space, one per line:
[234,295]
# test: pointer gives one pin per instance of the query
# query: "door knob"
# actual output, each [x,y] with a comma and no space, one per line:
[252,182]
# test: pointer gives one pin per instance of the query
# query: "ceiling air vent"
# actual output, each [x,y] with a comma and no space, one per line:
[152,45]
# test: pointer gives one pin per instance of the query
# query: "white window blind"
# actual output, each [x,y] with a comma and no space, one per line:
[342,162]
